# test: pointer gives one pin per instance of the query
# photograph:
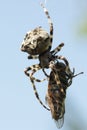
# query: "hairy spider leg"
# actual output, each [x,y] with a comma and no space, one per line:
[33,57]
[35,68]
[57,49]
[50,24]
[37,95]
[45,72]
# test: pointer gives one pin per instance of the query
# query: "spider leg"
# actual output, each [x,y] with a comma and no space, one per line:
[34,68]
[50,24]
[57,49]
[37,95]
[38,80]
[32,57]
[45,73]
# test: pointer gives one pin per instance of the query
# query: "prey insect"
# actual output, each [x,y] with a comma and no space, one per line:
[59,80]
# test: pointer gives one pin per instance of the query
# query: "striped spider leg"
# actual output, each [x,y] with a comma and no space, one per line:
[50,24]
[34,68]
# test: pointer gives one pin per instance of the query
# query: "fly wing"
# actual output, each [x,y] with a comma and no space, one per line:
[59,123]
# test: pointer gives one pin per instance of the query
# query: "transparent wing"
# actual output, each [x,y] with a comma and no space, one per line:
[59,122]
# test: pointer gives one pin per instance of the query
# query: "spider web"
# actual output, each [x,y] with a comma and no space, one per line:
[45,1]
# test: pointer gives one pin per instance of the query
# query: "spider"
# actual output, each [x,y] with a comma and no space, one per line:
[59,80]
[37,43]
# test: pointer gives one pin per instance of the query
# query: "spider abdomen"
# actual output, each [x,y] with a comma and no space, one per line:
[36,41]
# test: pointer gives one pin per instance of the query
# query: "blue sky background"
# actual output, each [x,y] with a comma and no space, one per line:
[19,109]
